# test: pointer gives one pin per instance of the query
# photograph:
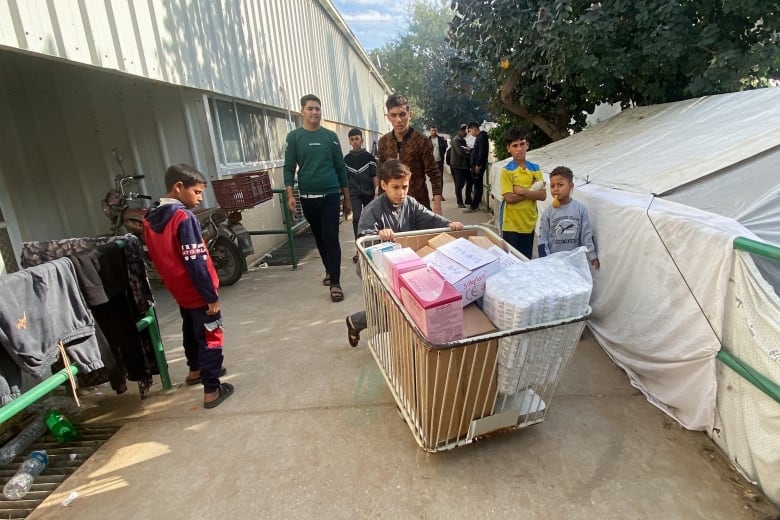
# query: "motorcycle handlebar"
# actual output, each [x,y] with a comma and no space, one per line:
[147,197]
[137,177]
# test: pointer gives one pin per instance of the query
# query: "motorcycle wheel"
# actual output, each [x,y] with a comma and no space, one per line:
[228,261]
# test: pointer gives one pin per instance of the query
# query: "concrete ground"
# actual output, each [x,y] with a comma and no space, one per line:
[313,432]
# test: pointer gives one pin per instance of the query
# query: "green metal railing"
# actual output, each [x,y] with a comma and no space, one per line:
[750,374]
[290,226]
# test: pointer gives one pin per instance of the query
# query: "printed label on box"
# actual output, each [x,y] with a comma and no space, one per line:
[470,284]
[504,258]
[466,253]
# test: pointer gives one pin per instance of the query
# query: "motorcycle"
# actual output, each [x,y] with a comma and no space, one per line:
[228,242]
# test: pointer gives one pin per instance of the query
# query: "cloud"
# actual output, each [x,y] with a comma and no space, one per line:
[369,16]
[374,22]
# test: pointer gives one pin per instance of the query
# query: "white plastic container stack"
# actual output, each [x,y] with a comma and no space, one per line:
[549,289]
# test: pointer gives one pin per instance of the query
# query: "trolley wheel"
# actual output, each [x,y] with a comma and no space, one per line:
[228,261]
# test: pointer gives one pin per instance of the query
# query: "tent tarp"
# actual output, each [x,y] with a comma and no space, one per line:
[668,189]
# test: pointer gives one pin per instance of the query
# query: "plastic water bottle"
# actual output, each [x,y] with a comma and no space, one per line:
[21,483]
[59,426]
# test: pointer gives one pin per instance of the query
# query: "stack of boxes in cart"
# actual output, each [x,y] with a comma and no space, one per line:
[436,282]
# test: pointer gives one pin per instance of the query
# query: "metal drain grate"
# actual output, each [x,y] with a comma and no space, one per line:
[59,468]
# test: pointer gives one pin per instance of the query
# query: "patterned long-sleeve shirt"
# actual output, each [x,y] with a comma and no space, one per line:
[416,152]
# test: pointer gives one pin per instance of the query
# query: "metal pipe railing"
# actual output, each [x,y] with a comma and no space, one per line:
[749,373]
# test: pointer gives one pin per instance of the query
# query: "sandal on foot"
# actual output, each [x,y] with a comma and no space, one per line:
[353,335]
[326,280]
[196,380]
[225,391]
[336,294]
[355,259]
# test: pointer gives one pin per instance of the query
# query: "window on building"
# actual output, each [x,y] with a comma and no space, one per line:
[250,134]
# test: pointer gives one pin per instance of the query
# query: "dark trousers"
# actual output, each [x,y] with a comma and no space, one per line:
[461,175]
[203,345]
[477,179]
[323,216]
[523,242]
[358,203]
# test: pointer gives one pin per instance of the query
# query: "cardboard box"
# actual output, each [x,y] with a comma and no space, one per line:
[475,322]
[504,259]
[394,263]
[466,253]
[434,305]
[382,247]
[470,284]
[439,240]
[425,251]
[483,242]
[454,387]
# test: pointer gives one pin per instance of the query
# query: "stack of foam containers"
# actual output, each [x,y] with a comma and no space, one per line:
[539,292]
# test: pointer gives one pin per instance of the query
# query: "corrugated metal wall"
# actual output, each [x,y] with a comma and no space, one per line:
[82,78]
[268,51]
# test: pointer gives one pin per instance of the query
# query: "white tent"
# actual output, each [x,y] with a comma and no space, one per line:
[669,187]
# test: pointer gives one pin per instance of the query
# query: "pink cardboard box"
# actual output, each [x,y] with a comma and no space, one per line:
[393,263]
[434,305]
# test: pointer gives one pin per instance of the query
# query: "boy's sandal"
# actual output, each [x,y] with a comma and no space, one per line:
[225,391]
[326,280]
[336,294]
[353,335]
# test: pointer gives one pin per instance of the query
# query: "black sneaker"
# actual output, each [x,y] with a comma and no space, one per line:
[470,210]
[461,205]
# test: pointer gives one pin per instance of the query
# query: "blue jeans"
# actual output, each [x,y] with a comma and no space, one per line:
[323,216]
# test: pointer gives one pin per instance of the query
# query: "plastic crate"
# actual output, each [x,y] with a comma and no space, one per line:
[243,190]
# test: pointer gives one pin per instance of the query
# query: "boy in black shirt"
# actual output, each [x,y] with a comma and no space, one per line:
[361,170]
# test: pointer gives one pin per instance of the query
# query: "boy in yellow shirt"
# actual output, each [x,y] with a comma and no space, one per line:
[517,182]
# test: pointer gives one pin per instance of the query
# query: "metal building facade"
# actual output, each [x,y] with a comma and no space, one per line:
[159,80]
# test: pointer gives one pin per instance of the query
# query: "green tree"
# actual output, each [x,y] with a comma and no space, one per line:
[416,64]
[551,61]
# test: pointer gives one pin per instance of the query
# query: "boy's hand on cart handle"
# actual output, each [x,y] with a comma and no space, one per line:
[213,308]
[387,235]
[456,226]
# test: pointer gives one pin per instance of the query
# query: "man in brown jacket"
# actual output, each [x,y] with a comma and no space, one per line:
[414,150]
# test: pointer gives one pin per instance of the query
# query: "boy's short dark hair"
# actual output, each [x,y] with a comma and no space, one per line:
[515,133]
[473,124]
[354,132]
[393,169]
[564,172]
[464,126]
[183,173]
[310,97]
[396,100]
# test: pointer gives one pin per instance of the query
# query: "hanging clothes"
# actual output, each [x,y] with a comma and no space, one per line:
[109,278]
[40,307]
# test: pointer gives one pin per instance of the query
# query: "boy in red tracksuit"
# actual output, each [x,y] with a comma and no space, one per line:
[179,253]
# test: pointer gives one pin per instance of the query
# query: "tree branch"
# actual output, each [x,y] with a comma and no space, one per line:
[507,99]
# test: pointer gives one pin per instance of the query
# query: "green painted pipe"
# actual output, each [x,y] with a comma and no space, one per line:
[755,378]
[150,321]
[37,392]
[758,248]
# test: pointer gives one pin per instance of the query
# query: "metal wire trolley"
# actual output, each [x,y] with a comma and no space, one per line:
[453,393]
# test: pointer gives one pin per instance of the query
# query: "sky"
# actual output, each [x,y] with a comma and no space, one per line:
[374,22]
